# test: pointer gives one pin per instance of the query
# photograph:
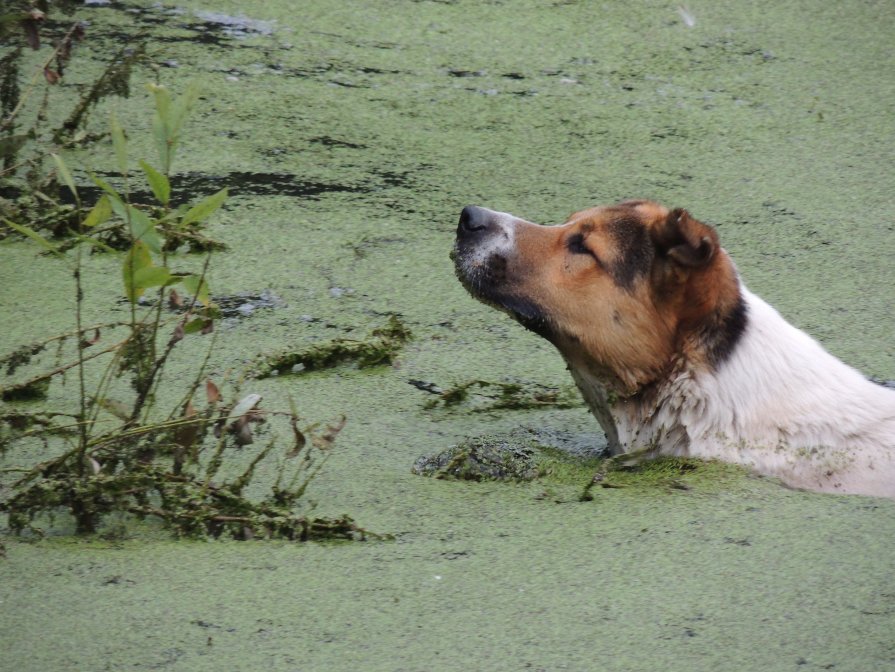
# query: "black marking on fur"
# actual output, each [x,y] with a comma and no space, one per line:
[635,251]
[726,333]
[529,315]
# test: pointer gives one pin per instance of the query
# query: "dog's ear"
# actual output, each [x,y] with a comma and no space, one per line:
[684,240]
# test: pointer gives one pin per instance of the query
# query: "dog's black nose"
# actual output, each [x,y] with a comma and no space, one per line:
[473,218]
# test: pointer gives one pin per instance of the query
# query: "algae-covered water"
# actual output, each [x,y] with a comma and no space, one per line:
[351,134]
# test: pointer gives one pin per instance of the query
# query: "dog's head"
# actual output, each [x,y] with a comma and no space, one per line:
[624,290]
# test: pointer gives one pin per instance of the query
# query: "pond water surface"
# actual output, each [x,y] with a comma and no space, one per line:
[351,135]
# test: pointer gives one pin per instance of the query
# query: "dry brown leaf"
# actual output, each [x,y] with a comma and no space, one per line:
[174,300]
[212,393]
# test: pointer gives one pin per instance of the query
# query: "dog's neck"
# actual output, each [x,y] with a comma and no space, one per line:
[629,420]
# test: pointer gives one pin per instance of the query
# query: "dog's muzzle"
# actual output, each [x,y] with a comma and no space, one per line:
[480,248]
[482,253]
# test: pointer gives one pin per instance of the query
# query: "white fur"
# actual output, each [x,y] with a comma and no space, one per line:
[497,243]
[779,404]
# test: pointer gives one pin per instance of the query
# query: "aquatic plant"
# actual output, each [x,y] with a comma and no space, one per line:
[487,395]
[125,455]
[380,348]
[29,181]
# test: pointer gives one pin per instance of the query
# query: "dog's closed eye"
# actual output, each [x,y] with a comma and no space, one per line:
[575,245]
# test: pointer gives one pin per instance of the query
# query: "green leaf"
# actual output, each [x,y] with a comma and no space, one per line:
[115,199]
[161,126]
[151,276]
[120,145]
[162,99]
[181,108]
[197,287]
[118,207]
[194,326]
[169,118]
[35,236]
[100,212]
[65,175]
[143,228]
[136,259]
[158,182]
[160,135]
[204,208]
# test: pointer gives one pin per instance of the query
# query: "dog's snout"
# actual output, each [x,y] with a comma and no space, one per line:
[473,219]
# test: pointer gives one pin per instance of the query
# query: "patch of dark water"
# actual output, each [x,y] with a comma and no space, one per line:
[331,70]
[231,306]
[465,73]
[354,42]
[245,304]
[327,141]
[186,187]
[202,26]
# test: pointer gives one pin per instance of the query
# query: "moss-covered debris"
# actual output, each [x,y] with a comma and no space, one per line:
[486,395]
[521,455]
[482,458]
[380,348]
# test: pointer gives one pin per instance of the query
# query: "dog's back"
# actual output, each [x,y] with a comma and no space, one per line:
[784,406]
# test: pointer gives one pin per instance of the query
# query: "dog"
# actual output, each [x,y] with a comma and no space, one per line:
[673,354]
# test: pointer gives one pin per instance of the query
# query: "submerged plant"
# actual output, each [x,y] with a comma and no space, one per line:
[127,455]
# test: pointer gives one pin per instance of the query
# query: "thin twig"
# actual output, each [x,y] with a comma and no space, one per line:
[155,374]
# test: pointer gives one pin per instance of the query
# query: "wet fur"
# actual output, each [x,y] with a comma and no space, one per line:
[671,351]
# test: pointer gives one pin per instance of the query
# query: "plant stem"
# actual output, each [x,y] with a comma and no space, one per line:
[62,43]
[82,415]
[65,367]
[156,373]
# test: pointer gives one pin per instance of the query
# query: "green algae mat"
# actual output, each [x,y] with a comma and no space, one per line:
[350,135]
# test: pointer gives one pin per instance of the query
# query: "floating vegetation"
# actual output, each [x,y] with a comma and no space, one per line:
[245,304]
[486,395]
[640,468]
[570,460]
[125,472]
[379,349]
